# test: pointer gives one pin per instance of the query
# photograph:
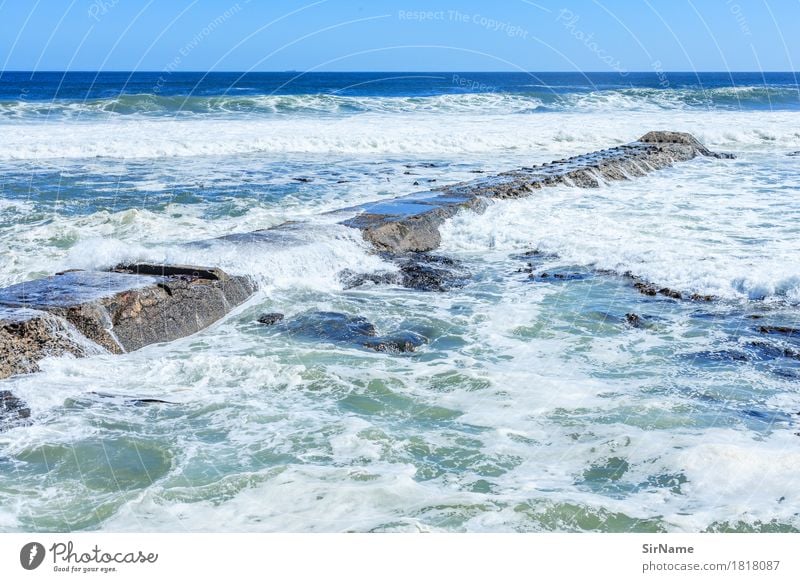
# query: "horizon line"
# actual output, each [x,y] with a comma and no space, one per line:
[233,71]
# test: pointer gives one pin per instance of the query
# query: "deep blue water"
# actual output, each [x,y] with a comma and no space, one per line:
[722,90]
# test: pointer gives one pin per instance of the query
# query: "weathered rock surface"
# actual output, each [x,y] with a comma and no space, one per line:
[120,311]
[411,223]
[13,411]
[342,328]
[27,336]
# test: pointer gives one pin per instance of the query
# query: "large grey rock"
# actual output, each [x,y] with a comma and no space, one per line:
[120,311]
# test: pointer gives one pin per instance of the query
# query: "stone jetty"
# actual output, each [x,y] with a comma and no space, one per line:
[411,223]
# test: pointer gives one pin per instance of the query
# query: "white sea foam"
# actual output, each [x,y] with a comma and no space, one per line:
[554,134]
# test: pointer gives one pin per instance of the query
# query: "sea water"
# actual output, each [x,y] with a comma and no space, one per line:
[539,403]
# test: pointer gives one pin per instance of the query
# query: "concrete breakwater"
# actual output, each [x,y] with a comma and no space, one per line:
[131,306]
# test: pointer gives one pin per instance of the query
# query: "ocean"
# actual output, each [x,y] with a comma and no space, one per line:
[539,403]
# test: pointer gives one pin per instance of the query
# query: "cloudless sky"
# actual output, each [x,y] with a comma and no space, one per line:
[405,35]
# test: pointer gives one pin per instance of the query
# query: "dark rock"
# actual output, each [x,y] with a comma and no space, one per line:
[559,276]
[778,329]
[172,271]
[350,329]
[331,326]
[416,183]
[13,411]
[645,288]
[131,401]
[670,293]
[410,224]
[270,318]
[718,356]
[769,351]
[699,297]
[400,343]
[146,401]
[651,290]
[424,272]
[633,320]
[351,279]
[676,138]
[792,154]
[418,271]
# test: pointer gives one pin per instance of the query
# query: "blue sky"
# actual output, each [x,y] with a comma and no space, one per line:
[404,35]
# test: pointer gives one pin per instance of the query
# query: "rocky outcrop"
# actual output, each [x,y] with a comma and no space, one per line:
[411,223]
[79,312]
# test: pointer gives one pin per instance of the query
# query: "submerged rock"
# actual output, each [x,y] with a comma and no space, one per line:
[556,276]
[402,342]
[13,411]
[354,330]
[331,326]
[418,271]
[768,351]
[352,279]
[633,320]
[779,329]
[128,401]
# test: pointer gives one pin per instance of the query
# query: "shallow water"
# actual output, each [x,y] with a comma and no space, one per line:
[536,405]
